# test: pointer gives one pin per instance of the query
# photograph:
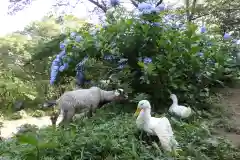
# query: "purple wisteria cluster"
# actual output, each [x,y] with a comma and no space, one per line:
[147,8]
[123,61]
[61,62]
[114,2]
[171,20]
[226,36]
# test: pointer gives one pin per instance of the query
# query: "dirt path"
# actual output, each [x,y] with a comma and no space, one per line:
[231,99]
[12,126]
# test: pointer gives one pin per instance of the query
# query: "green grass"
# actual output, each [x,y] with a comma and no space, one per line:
[112,134]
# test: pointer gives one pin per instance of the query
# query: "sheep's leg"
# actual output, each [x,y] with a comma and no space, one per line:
[141,135]
[70,115]
[54,116]
[67,117]
[91,111]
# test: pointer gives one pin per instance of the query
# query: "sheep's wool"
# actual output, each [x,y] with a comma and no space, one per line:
[82,100]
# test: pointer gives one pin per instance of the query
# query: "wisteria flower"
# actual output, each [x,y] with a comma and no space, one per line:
[62,46]
[104,26]
[147,60]
[73,34]
[156,24]
[203,29]
[109,57]
[200,54]
[238,41]
[145,8]
[114,2]
[78,38]
[61,54]
[160,8]
[63,67]
[120,67]
[53,74]
[226,36]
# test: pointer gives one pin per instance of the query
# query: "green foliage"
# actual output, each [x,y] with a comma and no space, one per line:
[176,66]
[38,113]
[25,61]
[26,128]
[112,134]
[223,13]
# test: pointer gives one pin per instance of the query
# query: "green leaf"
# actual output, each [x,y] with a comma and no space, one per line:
[141,64]
[28,139]
[49,145]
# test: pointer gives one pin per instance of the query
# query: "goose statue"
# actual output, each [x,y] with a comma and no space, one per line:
[160,127]
[181,111]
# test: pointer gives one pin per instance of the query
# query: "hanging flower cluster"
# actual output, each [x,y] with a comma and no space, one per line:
[147,8]
[226,36]
[172,20]
[114,2]
[61,62]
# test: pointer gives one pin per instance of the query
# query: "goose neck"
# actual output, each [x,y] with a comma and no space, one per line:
[175,101]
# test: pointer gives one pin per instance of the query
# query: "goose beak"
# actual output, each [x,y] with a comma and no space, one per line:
[137,112]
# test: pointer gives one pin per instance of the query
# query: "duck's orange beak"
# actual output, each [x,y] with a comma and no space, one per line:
[137,112]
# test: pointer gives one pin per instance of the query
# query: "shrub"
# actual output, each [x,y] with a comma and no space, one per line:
[182,61]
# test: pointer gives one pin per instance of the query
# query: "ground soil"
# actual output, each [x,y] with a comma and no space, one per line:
[230,98]
[10,127]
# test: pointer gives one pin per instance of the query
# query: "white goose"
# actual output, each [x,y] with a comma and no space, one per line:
[179,110]
[160,127]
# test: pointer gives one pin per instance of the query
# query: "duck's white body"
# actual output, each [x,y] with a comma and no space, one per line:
[179,110]
[160,127]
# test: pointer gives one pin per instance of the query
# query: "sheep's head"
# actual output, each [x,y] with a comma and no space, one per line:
[120,94]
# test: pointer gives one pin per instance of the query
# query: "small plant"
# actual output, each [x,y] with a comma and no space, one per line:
[27,128]
[38,113]
[34,145]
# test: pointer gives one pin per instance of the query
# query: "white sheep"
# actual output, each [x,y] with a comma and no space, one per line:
[84,100]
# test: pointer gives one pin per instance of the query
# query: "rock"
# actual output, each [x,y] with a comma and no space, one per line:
[27,128]
[19,115]
[18,105]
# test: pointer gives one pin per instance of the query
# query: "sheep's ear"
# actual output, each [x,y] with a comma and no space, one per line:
[117,93]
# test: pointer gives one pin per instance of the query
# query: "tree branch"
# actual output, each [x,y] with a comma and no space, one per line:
[193,10]
[160,2]
[187,10]
[134,3]
[99,5]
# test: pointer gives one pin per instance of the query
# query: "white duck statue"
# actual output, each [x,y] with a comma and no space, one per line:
[179,110]
[160,127]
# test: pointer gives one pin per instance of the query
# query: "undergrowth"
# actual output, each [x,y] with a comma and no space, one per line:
[112,134]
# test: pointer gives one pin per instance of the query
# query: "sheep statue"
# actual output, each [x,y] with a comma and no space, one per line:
[83,101]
